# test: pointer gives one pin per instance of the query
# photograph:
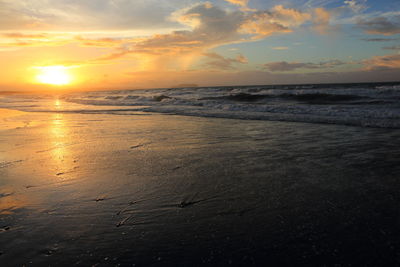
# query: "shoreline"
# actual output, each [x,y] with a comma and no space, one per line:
[176,190]
[8,113]
[62,91]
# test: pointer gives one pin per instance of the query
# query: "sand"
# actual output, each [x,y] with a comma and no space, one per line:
[165,190]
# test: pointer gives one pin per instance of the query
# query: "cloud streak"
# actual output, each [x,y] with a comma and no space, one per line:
[379,39]
[223,63]
[381,25]
[386,62]
[394,47]
[356,6]
[242,3]
[283,66]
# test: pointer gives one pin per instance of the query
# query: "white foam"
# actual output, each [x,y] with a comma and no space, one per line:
[370,106]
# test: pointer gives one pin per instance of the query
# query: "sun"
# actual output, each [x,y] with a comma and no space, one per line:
[54,75]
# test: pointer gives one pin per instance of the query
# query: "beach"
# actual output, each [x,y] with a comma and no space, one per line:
[136,188]
[199,133]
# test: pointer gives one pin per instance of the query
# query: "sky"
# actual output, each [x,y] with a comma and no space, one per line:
[132,44]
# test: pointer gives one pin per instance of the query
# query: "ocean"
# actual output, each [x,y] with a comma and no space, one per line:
[366,105]
[299,175]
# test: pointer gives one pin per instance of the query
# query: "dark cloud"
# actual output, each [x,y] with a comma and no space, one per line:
[213,78]
[379,39]
[290,66]
[395,47]
[381,25]
[223,63]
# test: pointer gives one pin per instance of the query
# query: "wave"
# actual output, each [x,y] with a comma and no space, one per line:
[357,105]
[241,97]
[312,98]
[370,120]
[368,106]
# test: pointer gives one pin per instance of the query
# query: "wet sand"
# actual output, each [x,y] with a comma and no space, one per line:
[165,190]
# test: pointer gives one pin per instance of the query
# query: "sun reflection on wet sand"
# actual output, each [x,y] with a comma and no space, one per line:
[9,119]
[48,164]
[57,103]
[9,203]
[59,140]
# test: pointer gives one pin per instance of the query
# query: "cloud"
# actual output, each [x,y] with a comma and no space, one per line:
[277,20]
[101,42]
[157,79]
[385,62]
[321,20]
[318,3]
[223,63]
[102,60]
[89,15]
[356,6]
[395,47]
[280,48]
[32,39]
[283,66]
[212,26]
[381,25]
[379,39]
[18,35]
[204,26]
[242,3]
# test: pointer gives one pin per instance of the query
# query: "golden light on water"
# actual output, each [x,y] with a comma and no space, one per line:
[54,75]
[59,144]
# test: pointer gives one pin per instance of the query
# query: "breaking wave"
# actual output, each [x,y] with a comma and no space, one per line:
[367,105]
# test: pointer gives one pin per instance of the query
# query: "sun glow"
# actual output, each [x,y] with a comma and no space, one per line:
[54,75]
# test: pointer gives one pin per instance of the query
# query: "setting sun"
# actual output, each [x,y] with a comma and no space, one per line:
[54,75]
[200,132]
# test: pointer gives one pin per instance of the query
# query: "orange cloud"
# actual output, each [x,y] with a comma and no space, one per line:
[18,35]
[289,17]
[242,3]
[280,48]
[383,62]
[37,43]
[278,20]
[101,42]
[29,39]
[321,20]
[207,26]
[210,25]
